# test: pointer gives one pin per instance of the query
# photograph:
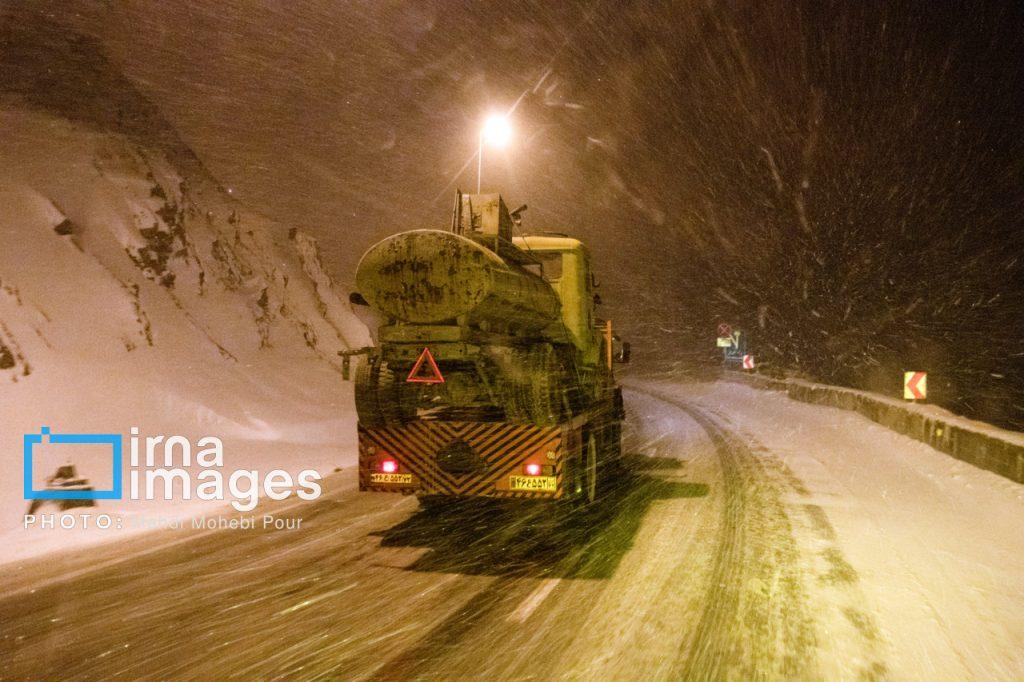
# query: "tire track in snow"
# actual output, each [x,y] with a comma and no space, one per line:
[754,622]
[835,585]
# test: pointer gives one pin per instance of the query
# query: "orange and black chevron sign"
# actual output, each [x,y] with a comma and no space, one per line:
[468,459]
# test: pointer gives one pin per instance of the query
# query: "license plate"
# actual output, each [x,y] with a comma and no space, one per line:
[545,483]
[390,478]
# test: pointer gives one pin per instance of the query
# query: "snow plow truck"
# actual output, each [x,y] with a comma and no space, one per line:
[491,375]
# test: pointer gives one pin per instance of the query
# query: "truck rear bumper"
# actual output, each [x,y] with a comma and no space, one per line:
[468,459]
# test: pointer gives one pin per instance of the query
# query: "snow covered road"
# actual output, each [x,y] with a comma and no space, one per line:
[914,555]
[752,537]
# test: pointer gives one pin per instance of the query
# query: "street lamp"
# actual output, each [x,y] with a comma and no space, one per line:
[496,132]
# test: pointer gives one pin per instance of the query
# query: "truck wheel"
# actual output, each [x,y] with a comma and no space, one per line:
[367,395]
[590,470]
[534,395]
[611,459]
[544,390]
[514,402]
[378,400]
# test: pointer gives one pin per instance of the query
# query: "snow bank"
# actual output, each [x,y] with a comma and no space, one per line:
[136,294]
[983,445]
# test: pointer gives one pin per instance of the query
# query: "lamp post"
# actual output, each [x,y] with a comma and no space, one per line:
[496,132]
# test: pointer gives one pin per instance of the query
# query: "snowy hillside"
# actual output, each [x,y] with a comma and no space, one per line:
[135,291]
[108,250]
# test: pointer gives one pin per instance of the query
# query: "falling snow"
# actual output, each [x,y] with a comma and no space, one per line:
[187,188]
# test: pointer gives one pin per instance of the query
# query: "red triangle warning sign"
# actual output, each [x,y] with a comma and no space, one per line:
[432,375]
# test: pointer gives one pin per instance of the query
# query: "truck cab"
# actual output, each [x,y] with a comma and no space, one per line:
[565,265]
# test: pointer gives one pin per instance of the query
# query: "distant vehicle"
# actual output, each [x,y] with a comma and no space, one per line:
[492,376]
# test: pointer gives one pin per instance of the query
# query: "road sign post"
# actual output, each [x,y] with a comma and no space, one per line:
[724,335]
[737,348]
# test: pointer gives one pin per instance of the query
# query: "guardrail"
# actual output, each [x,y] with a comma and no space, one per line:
[985,446]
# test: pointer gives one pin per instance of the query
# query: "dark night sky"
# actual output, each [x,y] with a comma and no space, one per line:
[844,179]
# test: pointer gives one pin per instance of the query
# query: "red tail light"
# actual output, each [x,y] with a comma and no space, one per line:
[389,466]
[532,469]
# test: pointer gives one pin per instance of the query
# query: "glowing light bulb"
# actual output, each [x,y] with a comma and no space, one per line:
[497,131]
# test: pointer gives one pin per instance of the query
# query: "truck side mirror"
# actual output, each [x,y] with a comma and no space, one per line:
[623,355]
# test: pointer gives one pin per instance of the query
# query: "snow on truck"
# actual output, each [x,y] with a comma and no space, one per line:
[491,375]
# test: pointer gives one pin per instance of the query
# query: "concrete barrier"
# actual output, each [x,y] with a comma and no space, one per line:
[982,445]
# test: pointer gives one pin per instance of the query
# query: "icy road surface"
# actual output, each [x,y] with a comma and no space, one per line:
[753,536]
